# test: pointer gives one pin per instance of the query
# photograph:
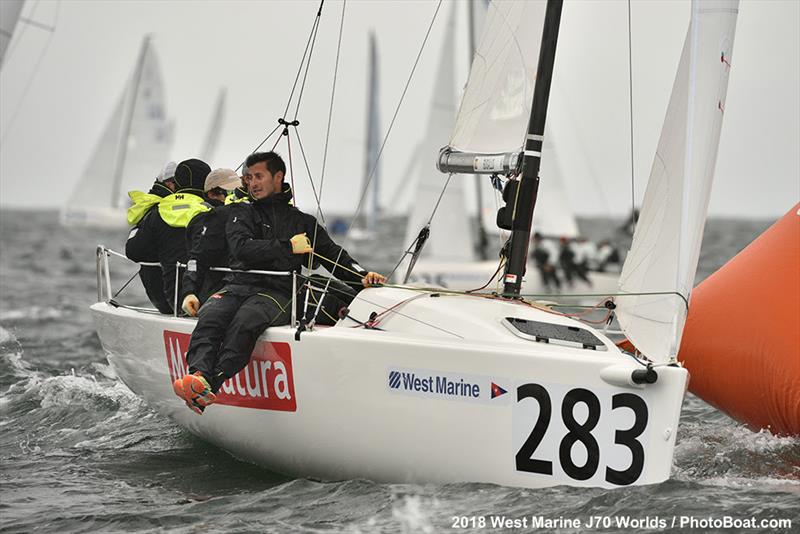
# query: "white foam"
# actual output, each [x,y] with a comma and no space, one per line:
[410,513]
[6,336]
[34,312]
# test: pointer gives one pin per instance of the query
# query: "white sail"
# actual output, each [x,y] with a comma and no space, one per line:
[495,109]
[214,129]
[9,15]
[666,245]
[134,145]
[450,238]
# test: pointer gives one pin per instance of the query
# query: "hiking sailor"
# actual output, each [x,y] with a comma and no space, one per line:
[162,234]
[141,206]
[206,243]
[268,234]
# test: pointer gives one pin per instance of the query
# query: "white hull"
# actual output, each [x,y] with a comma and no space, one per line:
[341,403]
[466,276]
[95,217]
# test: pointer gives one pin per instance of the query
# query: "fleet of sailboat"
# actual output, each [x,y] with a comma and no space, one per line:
[446,386]
[133,146]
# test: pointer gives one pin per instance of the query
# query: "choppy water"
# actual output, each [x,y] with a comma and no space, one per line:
[80,453]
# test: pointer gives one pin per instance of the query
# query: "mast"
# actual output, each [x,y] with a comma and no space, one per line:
[122,148]
[372,138]
[481,239]
[529,180]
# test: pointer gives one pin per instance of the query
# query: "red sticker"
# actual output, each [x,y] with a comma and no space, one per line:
[267,383]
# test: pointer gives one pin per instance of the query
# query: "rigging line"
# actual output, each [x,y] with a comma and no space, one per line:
[300,68]
[126,284]
[305,74]
[261,144]
[389,131]
[308,171]
[630,101]
[391,123]
[428,224]
[327,129]
[330,108]
[291,167]
[13,120]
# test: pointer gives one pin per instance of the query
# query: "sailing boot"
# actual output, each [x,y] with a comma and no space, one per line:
[197,390]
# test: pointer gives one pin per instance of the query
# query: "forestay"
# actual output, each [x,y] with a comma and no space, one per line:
[666,245]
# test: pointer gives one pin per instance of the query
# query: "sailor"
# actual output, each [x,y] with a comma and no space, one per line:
[162,234]
[141,205]
[544,258]
[585,254]
[206,242]
[606,255]
[268,234]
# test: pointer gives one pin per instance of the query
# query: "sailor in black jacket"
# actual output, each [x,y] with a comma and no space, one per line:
[269,234]
[206,242]
[163,230]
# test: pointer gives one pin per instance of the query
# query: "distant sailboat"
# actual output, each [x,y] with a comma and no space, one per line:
[215,128]
[132,148]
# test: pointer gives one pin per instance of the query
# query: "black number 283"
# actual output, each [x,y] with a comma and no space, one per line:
[582,432]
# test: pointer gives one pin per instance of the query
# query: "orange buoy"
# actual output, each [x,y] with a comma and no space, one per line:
[741,343]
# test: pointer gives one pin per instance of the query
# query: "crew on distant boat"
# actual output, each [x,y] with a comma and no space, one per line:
[206,243]
[606,255]
[142,204]
[162,233]
[544,258]
[569,263]
[268,234]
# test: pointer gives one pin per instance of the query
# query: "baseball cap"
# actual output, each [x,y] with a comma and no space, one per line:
[224,178]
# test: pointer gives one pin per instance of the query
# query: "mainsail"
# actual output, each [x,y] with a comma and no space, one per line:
[496,106]
[495,109]
[9,16]
[666,246]
[134,145]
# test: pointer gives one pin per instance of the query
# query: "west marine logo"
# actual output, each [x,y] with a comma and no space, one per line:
[438,384]
[267,383]
[497,391]
[394,379]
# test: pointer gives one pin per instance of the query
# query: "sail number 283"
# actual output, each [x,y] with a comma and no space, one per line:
[579,451]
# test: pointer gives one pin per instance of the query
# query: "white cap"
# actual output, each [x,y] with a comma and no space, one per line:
[224,178]
[168,172]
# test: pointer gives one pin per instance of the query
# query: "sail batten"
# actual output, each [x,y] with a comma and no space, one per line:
[666,245]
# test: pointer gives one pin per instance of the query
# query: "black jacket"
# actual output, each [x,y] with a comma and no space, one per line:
[208,247]
[259,237]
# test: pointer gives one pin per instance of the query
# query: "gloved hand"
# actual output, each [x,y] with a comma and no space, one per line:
[191,304]
[373,279]
[301,244]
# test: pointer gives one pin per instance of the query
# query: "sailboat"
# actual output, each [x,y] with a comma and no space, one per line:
[454,387]
[134,144]
[209,149]
[450,258]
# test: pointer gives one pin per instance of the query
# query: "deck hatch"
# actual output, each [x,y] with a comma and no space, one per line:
[553,333]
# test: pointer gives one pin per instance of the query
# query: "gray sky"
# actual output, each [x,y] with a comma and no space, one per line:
[48,132]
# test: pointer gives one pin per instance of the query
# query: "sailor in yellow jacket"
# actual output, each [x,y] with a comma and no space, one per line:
[162,231]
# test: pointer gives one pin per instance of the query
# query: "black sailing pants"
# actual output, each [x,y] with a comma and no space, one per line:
[228,326]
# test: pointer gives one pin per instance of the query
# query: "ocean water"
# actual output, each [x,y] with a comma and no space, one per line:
[80,453]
